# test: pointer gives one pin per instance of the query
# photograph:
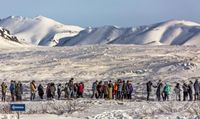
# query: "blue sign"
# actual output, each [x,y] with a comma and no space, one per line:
[17,107]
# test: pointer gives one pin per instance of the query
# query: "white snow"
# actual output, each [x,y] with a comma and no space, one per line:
[102,62]
[39,30]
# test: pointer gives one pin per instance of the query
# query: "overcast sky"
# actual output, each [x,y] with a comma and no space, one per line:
[104,12]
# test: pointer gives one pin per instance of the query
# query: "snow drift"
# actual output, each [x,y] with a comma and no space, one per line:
[39,30]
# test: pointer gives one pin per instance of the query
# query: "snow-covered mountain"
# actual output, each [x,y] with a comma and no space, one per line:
[39,30]
[47,32]
[8,40]
[173,32]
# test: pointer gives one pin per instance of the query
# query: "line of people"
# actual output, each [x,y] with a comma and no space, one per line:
[190,91]
[70,90]
[119,90]
[108,90]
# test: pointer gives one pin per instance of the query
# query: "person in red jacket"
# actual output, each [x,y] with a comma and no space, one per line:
[80,89]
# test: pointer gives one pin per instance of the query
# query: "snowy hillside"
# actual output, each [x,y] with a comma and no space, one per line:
[172,32]
[39,30]
[7,40]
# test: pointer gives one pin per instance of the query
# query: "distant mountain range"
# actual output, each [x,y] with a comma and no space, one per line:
[47,32]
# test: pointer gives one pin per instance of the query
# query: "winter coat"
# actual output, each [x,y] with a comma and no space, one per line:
[33,87]
[115,87]
[80,88]
[190,88]
[53,90]
[167,89]
[94,87]
[40,90]
[59,90]
[149,86]
[12,87]
[3,88]
[159,88]
[110,92]
[19,90]
[177,90]
[129,88]
[71,85]
[120,86]
[197,87]
[124,88]
[185,88]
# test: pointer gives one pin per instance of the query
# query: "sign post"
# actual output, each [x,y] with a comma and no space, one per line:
[18,108]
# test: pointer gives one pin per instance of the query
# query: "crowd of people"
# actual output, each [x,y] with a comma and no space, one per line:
[190,91]
[70,90]
[118,90]
[108,90]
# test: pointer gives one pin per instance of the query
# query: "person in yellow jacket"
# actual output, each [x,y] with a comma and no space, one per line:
[4,90]
[33,89]
[110,90]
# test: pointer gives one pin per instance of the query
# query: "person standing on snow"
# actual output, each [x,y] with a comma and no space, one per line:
[33,90]
[12,90]
[3,90]
[149,89]
[105,90]
[40,91]
[80,89]
[124,90]
[52,90]
[100,89]
[129,89]
[71,88]
[185,91]
[196,90]
[19,91]
[166,91]
[190,90]
[94,89]
[48,91]
[110,90]
[115,89]
[177,91]
[159,90]
[59,90]
[119,91]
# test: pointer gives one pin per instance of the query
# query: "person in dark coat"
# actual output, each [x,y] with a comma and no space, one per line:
[149,89]
[59,91]
[48,91]
[129,89]
[185,91]
[159,90]
[100,89]
[196,90]
[40,91]
[190,90]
